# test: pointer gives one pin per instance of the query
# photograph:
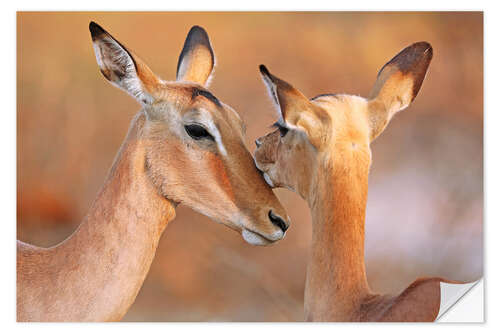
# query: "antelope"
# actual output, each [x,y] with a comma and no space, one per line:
[183,147]
[321,150]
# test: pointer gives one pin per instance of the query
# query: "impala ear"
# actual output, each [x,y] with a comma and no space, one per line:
[295,110]
[197,60]
[120,67]
[397,85]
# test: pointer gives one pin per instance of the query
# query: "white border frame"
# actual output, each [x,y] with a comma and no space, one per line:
[8,134]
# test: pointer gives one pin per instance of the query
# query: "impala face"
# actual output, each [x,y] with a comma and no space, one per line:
[329,134]
[194,143]
[288,159]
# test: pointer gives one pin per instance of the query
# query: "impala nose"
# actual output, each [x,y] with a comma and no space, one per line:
[278,221]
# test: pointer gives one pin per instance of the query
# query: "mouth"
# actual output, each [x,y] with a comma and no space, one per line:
[268,180]
[254,238]
[265,176]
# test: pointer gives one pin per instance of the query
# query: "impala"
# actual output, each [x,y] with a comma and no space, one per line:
[184,146]
[321,150]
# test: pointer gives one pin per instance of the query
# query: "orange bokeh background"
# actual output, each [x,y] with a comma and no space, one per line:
[425,205]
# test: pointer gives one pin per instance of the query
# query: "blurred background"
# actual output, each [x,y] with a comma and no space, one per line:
[425,205]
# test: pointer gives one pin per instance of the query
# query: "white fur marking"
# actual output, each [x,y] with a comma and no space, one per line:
[271,89]
[253,238]
[110,55]
[214,131]
[268,180]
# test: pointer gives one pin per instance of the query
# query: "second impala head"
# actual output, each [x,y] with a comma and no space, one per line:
[330,134]
[194,143]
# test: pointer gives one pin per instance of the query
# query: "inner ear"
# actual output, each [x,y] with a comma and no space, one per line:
[197,60]
[397,84]
[288,100]
[121,67]
[296,110]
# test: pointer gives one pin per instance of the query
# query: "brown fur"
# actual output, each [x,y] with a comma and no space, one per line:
[97,272]
[325,157]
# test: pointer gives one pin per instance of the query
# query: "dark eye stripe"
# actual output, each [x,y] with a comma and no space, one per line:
[324,95]
[198,132]
[206,94]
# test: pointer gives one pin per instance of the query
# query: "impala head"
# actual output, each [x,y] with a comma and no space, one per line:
[194,144]
[333,132]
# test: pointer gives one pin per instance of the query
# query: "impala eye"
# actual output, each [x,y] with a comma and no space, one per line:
[283,130]
[198,132]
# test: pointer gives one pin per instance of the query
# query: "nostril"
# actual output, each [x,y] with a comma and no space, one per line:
[257,143]
[277,221]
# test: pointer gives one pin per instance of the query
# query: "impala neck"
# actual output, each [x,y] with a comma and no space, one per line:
[113,248]
[336,278]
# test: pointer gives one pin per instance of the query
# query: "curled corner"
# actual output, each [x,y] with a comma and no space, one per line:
[451,295]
